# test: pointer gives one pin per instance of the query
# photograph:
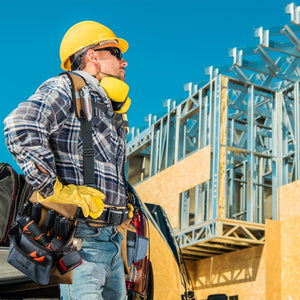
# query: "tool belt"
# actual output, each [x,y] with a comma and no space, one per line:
[111,216]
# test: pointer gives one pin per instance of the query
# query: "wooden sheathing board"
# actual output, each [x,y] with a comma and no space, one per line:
[165,187]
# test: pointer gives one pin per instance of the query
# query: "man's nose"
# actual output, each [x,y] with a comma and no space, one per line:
[124,63]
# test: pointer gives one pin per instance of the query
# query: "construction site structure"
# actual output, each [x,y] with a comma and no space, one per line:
[225,166]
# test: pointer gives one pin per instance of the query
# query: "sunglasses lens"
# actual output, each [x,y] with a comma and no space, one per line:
[116,52]
[113,51]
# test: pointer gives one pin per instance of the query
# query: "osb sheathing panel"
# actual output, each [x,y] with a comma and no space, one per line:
[289,214]
[192,269]
[273,260]
[165,187]
[269,272]
[239,273]
[290,258]
[289,196]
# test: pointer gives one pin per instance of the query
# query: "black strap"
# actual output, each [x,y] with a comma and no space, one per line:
[85,131]
[88,150]
[109,216]
[114,216]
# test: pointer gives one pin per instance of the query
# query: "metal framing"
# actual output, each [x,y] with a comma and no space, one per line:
[249,112]
[218,237]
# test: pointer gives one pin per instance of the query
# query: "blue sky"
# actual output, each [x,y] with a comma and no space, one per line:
[170,44]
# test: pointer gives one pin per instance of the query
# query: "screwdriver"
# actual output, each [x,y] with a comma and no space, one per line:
[64,228]
[49,222]
[36,212]
[61,227]
[57,226]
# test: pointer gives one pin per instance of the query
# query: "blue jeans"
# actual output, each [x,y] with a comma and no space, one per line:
[101,276]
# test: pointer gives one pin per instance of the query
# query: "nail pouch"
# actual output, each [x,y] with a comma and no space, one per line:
[20,257]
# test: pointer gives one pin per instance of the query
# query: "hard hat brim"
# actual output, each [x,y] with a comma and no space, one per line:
[123,45]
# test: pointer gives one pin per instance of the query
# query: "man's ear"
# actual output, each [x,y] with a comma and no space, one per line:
[90,55]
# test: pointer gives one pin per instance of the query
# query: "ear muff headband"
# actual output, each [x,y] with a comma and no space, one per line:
[123,108]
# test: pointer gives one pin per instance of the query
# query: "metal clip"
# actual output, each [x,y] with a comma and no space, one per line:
[86,102]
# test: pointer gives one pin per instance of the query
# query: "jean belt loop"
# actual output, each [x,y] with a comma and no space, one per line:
[109,214]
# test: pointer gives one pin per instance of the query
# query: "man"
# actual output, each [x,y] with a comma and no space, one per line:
[44,135]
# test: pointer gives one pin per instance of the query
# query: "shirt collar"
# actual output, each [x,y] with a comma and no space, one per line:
[92,81]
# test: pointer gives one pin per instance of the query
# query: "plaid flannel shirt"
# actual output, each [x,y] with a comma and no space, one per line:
[45,131]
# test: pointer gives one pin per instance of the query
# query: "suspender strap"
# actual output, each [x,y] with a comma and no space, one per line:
[85,130]
[88,151]
[85,126]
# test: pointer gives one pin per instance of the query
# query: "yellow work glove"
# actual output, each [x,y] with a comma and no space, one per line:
[130,210]
[89,199]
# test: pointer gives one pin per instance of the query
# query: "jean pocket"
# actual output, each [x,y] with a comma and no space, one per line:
[87,232]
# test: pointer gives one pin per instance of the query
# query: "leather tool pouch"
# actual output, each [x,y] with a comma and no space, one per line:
[50,262]
[137,247]
[134,247]
[123,229]
[66,210]
[69,211]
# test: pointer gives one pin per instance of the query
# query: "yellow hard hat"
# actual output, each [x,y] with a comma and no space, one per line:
[84,34]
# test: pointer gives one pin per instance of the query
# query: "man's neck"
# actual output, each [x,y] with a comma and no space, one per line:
[92,81]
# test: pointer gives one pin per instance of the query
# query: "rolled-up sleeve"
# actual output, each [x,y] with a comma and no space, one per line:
[28,129]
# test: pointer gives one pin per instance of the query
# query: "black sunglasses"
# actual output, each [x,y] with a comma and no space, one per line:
[113,51]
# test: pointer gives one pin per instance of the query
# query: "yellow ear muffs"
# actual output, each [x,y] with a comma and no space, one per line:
[117,90]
